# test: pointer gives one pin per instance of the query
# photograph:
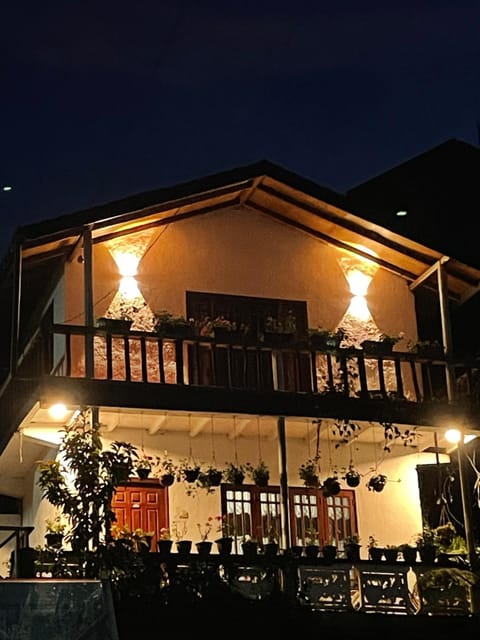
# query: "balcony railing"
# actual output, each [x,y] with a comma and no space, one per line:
[295,379]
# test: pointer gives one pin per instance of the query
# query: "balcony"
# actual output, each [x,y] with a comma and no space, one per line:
[205,374]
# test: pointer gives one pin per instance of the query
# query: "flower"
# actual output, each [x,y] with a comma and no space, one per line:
[165,534]
[145,462]
[224,527]
[205,528]
[55,525]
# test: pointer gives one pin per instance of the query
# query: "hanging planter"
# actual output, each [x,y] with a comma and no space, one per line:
[308,472]
[259,474]
[234,473]
[377,483]
[352,477]
[331,487]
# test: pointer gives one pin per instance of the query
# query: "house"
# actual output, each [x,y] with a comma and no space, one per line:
[261,250]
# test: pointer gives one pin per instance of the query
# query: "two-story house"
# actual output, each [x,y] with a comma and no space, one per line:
[265,252]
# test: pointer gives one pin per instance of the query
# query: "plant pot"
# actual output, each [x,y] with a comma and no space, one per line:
[324,342]
[250,549]
[391,555]
[352,551]
[120,473]
[311,551]
[270,549]
[377,483]
[236,478]
[191,475]
[261,481]
[143,473]
[329,552]
[224,546]
[375,554]
[164,547]
[377,347]
[54,540]
[427,553]
[409,554]
[184,547]
[167,479]
[352,478]
[296,551]
[168,330]
[331,487]
[214,478]
[114,325]
[204,548]
[312,481]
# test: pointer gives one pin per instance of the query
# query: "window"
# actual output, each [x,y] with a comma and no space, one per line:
[255,512]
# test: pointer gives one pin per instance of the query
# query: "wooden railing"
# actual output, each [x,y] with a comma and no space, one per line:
[145,357]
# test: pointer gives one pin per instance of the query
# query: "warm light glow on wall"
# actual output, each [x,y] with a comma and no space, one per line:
[359,309]
[128,288]
[359,272]
[358,282]
[127,263]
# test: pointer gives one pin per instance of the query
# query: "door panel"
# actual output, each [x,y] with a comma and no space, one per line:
[142,506]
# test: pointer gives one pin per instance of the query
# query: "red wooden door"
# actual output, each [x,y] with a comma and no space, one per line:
[142,506]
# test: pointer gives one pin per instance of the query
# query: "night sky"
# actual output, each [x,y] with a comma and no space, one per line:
[103,99]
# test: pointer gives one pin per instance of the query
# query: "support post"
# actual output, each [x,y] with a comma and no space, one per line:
[282,465]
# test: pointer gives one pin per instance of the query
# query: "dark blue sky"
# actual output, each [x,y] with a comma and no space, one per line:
[102,99]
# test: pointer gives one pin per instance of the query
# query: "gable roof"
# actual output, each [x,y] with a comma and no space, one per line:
[264,187]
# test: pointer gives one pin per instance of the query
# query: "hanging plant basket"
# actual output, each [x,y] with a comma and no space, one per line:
[352,478]
[331,487]
[377,483]
[167,479]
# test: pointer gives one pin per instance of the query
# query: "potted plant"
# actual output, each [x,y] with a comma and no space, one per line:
[427,549]
[143,465]
[210,477]
[55,531]
[166,470]
[331,486]
[260,473]
[377,482]
[308,472]
[164,542]
[409,553]
[225,541]
[249,547]
[329,551]
[234,473]
[175,326]
[179,531]
[375,553]
[270,548]
[188,470]
[204,546]
[382,346]
[391,552]
[91,474]
[325,340]
[352,477]
[352,547]
[427,348]
[312,546]
[277,333]
[225,330]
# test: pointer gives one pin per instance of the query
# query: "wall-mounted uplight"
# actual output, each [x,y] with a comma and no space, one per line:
[401,213]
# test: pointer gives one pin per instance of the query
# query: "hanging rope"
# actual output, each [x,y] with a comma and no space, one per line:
[317,448]
[259,441]
[190,450]
[214,461]
[235,439]
[20,445]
